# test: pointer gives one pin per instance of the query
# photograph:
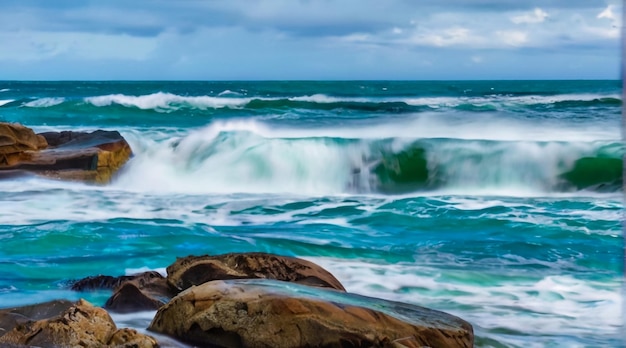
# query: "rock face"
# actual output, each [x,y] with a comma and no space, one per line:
[15,139]
[80,324]
[262,313]
[195,270]
[91,157]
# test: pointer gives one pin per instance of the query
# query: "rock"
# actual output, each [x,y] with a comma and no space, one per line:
[265,313]
[130,338]
[195,270]
[81,324]
[105,282]
[143,291]
[129,297]
[15,139]
[91,157]
[11,317]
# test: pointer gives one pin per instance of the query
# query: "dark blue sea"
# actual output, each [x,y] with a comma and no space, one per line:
[496,201]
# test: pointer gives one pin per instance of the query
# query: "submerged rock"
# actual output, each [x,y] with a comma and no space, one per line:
[91,157]
[264,313]
[79,324]
[195,270]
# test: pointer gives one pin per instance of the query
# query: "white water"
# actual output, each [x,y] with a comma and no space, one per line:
[554,305]
[161,101]
[44,102]
[166,101]
[251,157]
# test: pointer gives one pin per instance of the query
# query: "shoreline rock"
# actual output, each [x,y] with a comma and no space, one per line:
[196,270]
[265,313]
[91,157]
[246,300]
[62,324]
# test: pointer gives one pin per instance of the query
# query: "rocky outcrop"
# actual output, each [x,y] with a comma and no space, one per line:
[195,270]
[91,157]
[78,325]
[262,313]
[143,291]
[16,139]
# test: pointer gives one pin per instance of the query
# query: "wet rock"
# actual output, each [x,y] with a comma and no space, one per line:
[81,324]
[195,270]
[143,291]
[91,157]
[11,317]
[129,297]
[264,313]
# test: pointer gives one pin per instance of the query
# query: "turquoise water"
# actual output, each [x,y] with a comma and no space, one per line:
[497,201]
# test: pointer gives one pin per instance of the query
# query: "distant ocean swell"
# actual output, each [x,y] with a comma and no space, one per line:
[168,102]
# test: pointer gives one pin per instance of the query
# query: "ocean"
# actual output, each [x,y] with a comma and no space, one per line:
[496,201]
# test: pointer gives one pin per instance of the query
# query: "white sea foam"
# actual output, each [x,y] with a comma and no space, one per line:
[4,90]
[323,98]
[44,102]
[542,306]
[429,126]
[506,100]
[6,101]
[251,157]
[166,101]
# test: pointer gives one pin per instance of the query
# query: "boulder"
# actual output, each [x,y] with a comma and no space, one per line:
[81,324]
[91,157]
[195,270]
[143,291]
[265,313]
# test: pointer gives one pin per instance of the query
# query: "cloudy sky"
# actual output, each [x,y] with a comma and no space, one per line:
[310,39]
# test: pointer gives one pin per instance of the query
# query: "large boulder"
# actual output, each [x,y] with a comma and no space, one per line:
[91,157]
[264,313]
[195,270]
[79,325]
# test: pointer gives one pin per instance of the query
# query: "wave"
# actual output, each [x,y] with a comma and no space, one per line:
[44,102]
[244,157]
[5,90]
[6,101]
[169,102]
[166,101]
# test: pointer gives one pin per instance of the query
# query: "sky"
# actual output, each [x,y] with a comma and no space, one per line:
[309,39]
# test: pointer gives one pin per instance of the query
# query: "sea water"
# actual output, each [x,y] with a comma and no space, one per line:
[496,201]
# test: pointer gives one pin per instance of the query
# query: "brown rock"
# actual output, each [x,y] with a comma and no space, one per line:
[143,291]
[105,282]
[81,324]
[130,338]
[130,298]
[92,157]
[15,139]
[11,317]
[262,313]
[195,270]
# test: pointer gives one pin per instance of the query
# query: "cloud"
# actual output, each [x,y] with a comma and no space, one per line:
[300,38]
[537,16]
[607,13]
[512,37]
